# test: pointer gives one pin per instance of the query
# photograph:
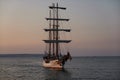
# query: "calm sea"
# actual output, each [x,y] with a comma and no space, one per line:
[29,67]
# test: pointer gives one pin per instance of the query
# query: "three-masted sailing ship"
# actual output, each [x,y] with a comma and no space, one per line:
[53,57]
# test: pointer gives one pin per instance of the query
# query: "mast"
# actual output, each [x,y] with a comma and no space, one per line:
[53,28]
[50,36]
[57,32]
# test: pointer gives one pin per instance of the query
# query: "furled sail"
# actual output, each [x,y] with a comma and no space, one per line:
[67,30]
[60,19]
[53,7]
[57,41]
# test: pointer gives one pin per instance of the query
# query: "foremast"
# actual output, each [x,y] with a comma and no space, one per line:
[53,30]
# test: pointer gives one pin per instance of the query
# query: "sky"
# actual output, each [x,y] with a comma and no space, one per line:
[95,26]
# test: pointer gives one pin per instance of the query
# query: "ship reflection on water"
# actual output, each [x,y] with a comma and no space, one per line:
[52,74]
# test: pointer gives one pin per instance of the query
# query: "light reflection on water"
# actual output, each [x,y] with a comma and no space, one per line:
[82,68]
[57,75]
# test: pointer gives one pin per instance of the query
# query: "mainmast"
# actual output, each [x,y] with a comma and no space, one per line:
[50,35]
[57,32]
[54,30]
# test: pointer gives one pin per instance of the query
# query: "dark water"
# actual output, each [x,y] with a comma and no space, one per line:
[29,67]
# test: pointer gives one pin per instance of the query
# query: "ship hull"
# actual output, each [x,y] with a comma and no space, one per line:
[54,64]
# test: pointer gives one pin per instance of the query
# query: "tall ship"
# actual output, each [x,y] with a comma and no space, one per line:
[53,57]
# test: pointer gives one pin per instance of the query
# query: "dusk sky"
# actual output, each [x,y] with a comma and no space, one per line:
[95,26]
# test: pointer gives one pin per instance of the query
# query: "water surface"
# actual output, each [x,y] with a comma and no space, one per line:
[29,67]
